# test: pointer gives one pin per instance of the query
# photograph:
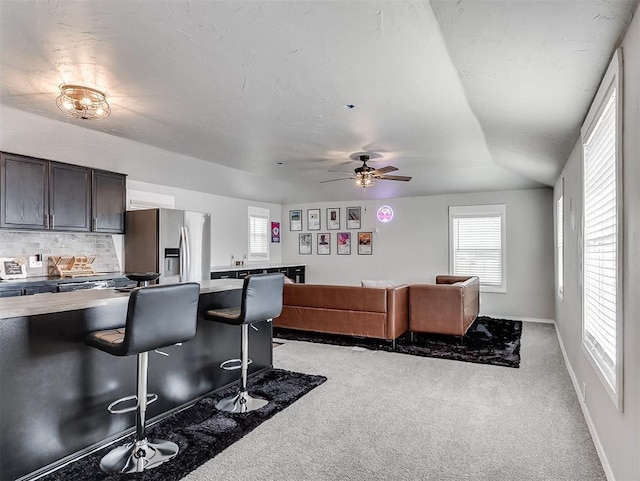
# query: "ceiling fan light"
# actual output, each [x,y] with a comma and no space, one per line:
[365,179]
[83,102]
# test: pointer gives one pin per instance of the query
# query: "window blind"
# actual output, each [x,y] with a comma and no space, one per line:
[601,242]
[258,236]
[477,247]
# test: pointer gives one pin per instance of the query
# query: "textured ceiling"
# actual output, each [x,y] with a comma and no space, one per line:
[462,96]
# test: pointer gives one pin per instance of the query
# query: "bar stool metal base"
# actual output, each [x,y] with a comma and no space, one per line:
[138,456]
[241,403]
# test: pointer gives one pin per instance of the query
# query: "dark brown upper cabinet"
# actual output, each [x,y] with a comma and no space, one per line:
[109,202]
[25,192]
[46,195]
[69,197]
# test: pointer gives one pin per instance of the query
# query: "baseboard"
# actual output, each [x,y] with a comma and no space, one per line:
[585,411]
[524,319]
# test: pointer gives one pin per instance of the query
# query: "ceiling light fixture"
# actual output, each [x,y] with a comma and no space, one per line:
[83,102]
[365,179]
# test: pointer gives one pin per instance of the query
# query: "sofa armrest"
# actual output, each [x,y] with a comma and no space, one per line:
[471,299]
[437,308]
[397,311]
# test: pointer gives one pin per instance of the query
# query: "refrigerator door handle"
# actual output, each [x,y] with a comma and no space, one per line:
[185,258]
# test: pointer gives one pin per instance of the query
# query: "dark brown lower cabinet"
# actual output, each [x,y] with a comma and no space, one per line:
[295,273]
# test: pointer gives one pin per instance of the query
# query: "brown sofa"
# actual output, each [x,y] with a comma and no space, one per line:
[356,311]
[447,307]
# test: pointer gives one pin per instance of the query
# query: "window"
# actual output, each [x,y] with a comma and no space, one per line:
[560,244]
[477,244]
[602,318]
[258,234]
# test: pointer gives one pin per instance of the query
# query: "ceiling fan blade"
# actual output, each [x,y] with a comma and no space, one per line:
[403,178]
[334,180]
[384,170]
[340,171]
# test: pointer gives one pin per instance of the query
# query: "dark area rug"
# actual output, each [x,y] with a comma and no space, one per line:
[488,341]
[201,431]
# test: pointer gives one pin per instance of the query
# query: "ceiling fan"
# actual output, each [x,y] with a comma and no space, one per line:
[365,176]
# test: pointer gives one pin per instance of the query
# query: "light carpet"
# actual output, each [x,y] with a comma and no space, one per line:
[388,416]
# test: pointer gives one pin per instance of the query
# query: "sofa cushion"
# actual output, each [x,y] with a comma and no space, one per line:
[350,298]
[357,311]
[380,284]
[333,321]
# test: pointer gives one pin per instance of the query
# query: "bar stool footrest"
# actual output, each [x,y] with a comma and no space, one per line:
[111,408]
[233,364]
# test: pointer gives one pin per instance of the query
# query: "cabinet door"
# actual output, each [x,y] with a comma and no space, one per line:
[69,197]
[24,197]
[40,289]
[108,203]
[223,275]
[10,292]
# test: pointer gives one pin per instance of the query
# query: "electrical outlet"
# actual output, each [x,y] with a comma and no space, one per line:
[34,262]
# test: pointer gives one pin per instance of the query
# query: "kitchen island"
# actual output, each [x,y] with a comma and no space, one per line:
[55,390]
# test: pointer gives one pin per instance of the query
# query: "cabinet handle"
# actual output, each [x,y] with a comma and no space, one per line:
[46,221]
[94,223]
[53,217]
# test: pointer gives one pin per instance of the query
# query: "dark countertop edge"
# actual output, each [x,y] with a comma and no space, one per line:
[29,281]
[250,267]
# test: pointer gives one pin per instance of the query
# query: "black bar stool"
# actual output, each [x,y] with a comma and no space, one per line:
[157,316]
[261,301]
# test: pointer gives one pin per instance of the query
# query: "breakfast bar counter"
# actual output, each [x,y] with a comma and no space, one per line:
[68,301]
[55,389]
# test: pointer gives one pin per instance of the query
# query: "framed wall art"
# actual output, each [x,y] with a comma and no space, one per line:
[304,244]
[333,219]
[275,232]
[364,243]
[295,220]
[12,268]
[353,218]
[324,244]
[313,219]
[343,239]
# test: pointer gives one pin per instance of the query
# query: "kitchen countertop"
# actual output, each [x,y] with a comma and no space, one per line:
[37,304]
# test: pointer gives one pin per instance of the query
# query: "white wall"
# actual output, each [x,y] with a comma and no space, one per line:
[229,219]
[414,247]
[28,134]
[153,170]
[616,433]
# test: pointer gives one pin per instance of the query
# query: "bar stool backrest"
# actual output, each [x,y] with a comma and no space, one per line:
[161,315]
[261,297]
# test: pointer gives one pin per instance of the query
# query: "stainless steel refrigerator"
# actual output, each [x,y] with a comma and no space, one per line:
[174,243]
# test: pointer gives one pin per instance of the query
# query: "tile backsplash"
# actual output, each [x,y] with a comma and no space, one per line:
[25,244]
